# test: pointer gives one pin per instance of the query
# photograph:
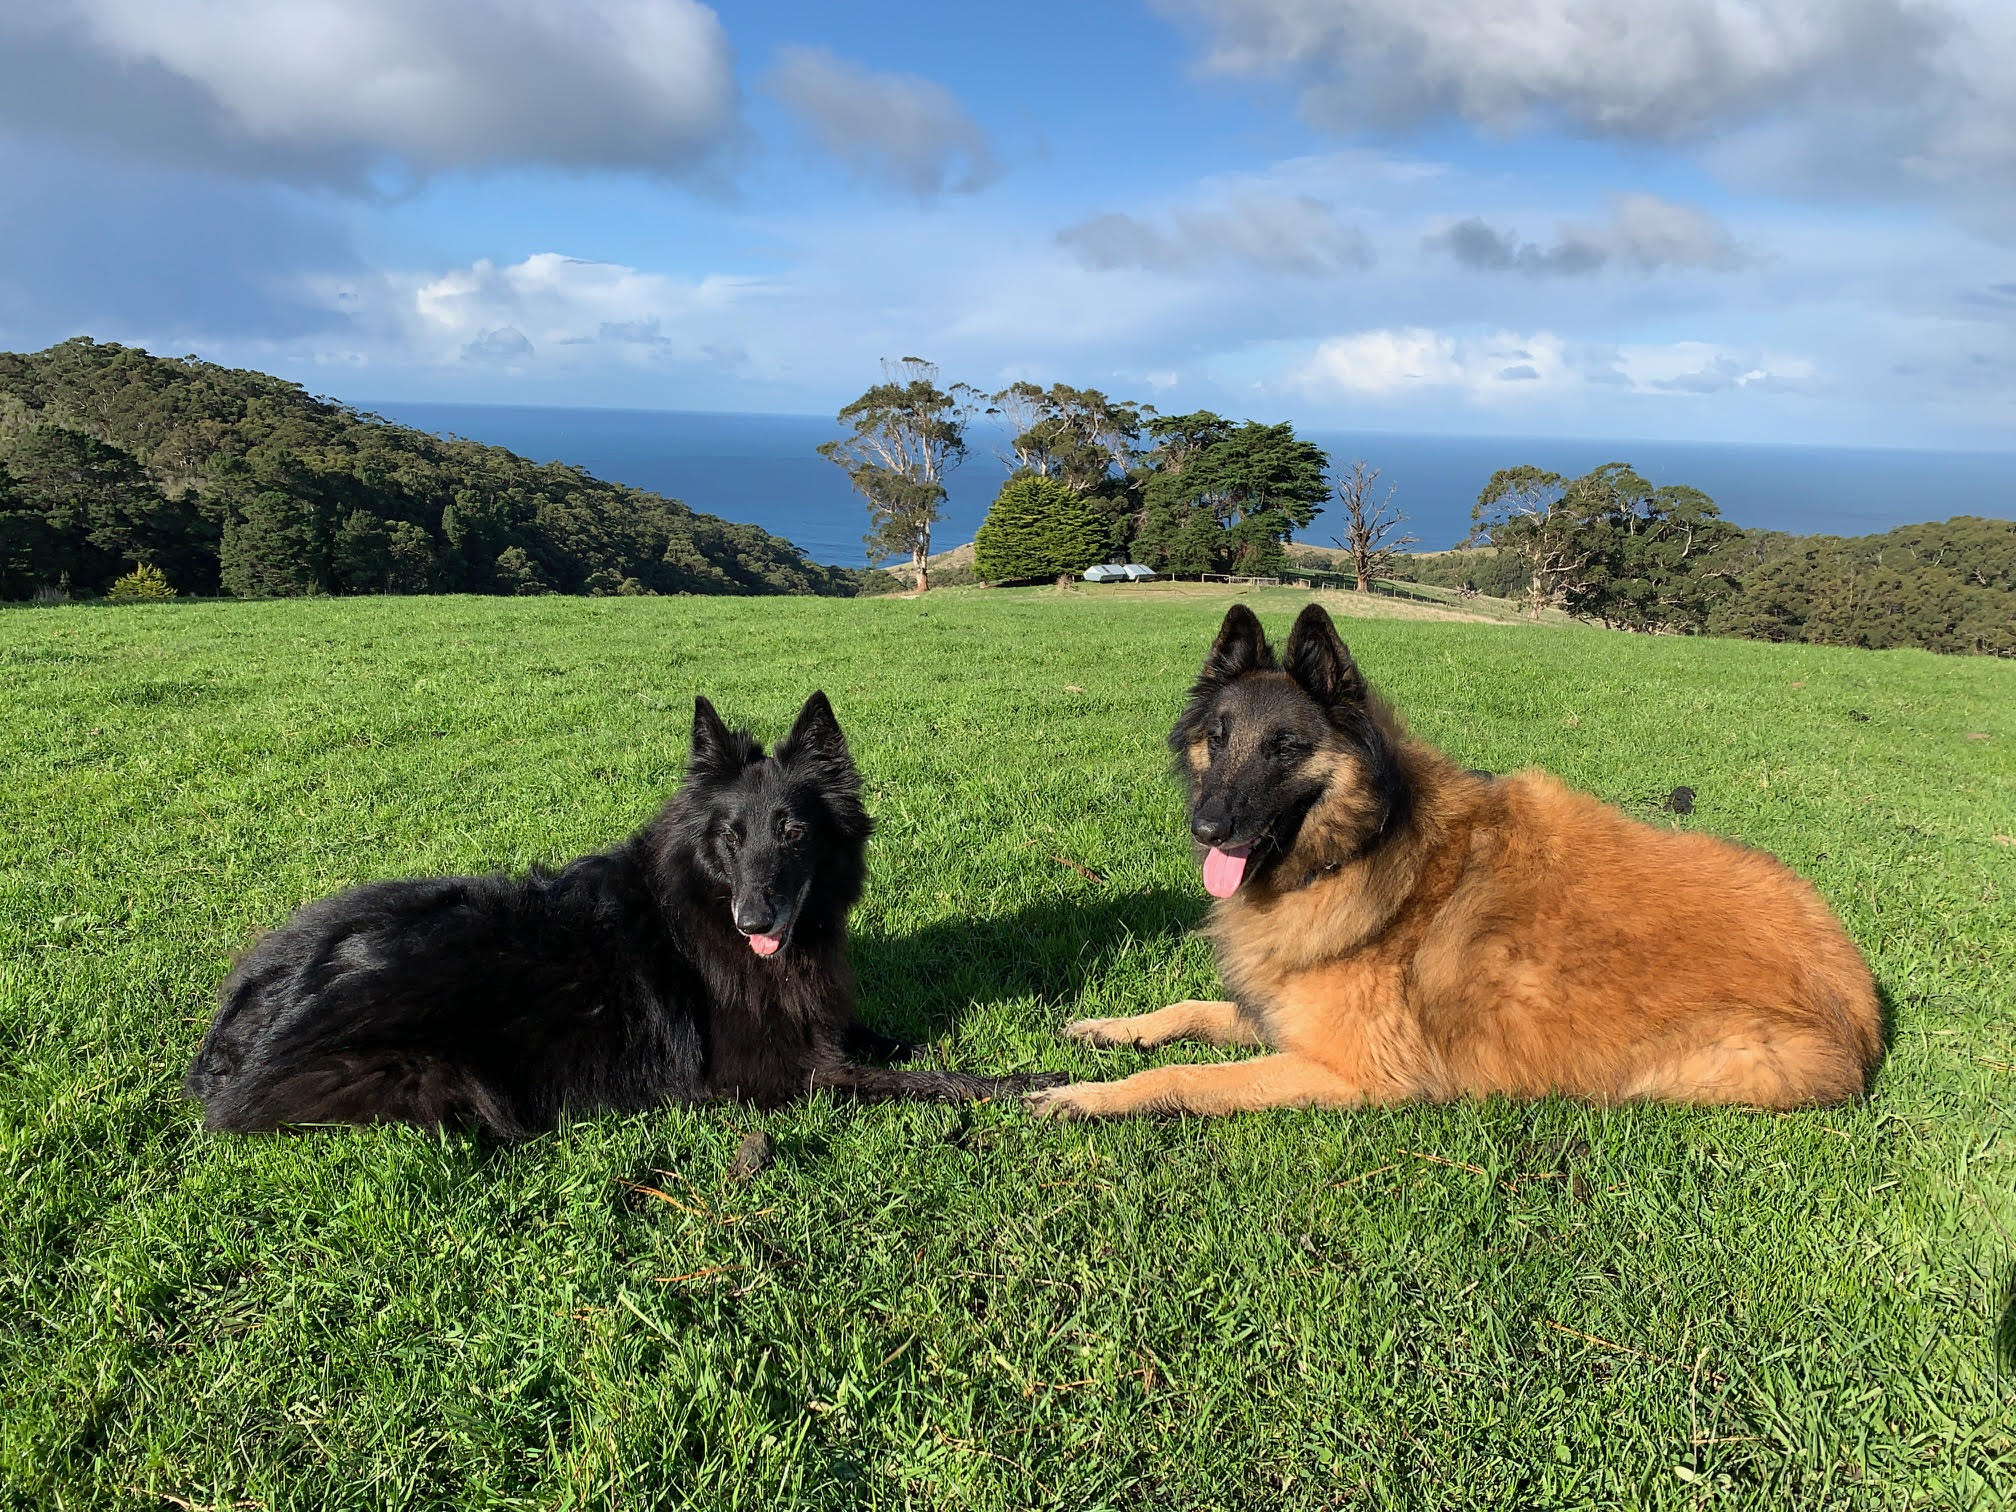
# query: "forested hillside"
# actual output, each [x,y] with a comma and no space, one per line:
[1947,586]
[1609,547]
[236,482]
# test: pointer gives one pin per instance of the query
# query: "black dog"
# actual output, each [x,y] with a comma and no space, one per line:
[703,959]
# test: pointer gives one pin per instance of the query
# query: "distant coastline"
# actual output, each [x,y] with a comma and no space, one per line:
[761,469]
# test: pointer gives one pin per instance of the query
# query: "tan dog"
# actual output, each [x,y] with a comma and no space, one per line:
[1394,927]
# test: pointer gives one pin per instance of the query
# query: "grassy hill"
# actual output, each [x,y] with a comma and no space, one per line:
[1485,1305]
[235,481]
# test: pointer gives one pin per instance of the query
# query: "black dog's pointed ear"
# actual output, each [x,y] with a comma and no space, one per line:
[1241,647]
[715,751]
[1321,663]
[816,734]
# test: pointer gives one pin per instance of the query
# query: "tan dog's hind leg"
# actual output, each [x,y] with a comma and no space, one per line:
[1270,1081]
[1755,1068]
[1212,1023]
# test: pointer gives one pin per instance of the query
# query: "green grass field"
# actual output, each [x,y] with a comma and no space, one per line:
[1487,1305]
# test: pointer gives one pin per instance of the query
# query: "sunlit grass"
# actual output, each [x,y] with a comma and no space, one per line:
[1487,1305]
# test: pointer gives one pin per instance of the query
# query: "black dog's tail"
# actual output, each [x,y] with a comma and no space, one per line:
[351,1087]
[221,1056]
[252,1076]
[878,1084]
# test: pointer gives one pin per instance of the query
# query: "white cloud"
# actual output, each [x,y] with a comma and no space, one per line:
[1643,232]
[897,129]
[1294,234]
[1873,96]
[549,312]
[1504,366]
[1414,359]
[343,92]
[1700,367]
[1661,69]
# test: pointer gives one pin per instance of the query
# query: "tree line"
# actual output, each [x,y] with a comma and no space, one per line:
[229,481]
[1090,478]
[175,475]
[1610,547]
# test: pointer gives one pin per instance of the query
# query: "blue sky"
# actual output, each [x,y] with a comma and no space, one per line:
[1690,219]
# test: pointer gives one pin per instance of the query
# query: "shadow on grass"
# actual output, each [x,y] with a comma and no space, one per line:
[918,985]
[2005,1326]
[1886,1010]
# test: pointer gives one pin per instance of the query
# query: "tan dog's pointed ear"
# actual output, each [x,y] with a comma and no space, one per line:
[1321,663]
[1241,647]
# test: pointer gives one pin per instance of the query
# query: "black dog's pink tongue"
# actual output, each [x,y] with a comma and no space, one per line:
[1223,869]
[765,945]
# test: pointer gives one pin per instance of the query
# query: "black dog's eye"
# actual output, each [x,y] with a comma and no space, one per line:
[1289,748]
[1215,737]
[731,841]
[790,831]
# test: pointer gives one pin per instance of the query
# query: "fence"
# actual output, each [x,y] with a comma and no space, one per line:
[1316,577]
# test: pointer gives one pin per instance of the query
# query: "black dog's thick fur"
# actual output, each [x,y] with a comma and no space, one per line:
[625,981]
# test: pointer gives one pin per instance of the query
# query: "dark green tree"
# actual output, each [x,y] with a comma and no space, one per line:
[409,558]
[1484,570]
[268,549]
[1609,546]
[101,515]
[905,434]
[1243,489]
[1179,438]
[36,550]
[1945,586]
[362,554]
[1037,528]
[1658,569]
[1197,544]
[518,572]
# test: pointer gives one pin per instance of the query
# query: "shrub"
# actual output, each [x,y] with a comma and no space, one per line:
[144,582]
[1036,529]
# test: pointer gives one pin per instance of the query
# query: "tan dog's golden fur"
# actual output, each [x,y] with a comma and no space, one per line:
[1417,931]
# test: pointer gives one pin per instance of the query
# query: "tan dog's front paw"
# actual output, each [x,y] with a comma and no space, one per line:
[1106,1031]
[1069,1102]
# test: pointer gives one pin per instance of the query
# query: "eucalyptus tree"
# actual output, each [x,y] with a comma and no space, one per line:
[905,435]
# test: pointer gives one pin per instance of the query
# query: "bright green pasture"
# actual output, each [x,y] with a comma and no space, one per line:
[1489,1305]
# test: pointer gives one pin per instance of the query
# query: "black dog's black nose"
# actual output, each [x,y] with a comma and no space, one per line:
[756,916]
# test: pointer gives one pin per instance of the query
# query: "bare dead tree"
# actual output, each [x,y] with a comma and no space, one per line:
[1368,526]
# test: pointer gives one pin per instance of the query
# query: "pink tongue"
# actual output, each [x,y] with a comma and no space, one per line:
[1224,868]
[765,945]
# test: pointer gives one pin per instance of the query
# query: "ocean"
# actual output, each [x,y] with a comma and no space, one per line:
[763,469]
